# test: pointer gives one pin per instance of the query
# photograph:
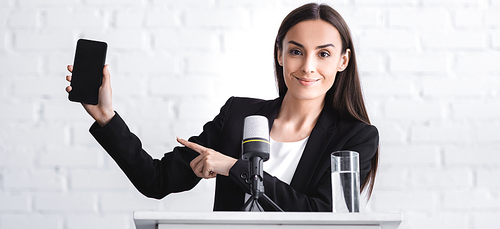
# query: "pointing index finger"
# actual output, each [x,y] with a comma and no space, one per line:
[198,148]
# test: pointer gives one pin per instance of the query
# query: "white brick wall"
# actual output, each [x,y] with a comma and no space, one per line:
[430,72]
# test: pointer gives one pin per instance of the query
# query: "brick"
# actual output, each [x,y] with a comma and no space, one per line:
[217,18]
[492,19]
[156,133]
[119,40]
[84,221]
[204,109]
[3,40]
[469,40]
[488,178]
[15,64]
[122,3]
[410,156]
[39,41]
[488,134]
[202,194]
[382,39]
[43,134]
[471,200]
[384,200]
[33,180]
[208,64]
[428,62]
[162,18]
[441,178]
[71,157]
[442,134]
[418,18]
[28,221]
[495,39]
[371,62]
[368,17]
[477,63]
[62,202]
[414,110]
[438,220]
[468,18]
[80,136]
[471,156]
[477,109]
[46,3]
[155,64]
[61,109]
[169,86]
[79,18]
[17,111]
[186,40]
[23,19]
[15,202]
[29,87]
[126,202]
[456,88]
[485,219]
[129,86]
[384,2]
[449,2]
[129,18]
[391,178]
[19,156]
[107,180]
[391,133]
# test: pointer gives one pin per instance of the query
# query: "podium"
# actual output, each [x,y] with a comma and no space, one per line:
[265,220]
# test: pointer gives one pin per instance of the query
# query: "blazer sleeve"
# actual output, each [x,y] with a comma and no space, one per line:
[155,178]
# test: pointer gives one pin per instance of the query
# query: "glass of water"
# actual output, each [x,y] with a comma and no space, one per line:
[345,181]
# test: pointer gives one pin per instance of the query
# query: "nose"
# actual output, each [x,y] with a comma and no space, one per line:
[309,65]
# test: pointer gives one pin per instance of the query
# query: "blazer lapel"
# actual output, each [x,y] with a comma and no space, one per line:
[317,143]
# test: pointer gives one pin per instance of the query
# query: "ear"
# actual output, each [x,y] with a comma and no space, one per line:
[344,60]
[280,57]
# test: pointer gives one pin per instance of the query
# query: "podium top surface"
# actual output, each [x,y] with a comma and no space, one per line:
[149,219]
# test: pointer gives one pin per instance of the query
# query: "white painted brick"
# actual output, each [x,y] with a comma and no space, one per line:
[371,62]
[3,40]
[438,220]
[33,180]
[85,221]
[471,200]
[495,39]
[390,178]
[449,2]
[451,179]
[162,18]
[122,3]
[488,178]
[428,62]
[213,64]
[414,110]
[388,87]
[15,65]
[80,136]
[457,88]
[126,202]
[130,18]
[15,202]
[156,132]
[363,17]
[170,86]
[62,202]
[468,18]
[382,39]
[186,40]
[471,156]
[32,87]
[478,63]
[452,40]
[204,109]
[77,19]
[28,40]
[217,18]
[202,195]
[23,19]
[442,134]
[119,40]
[72,157]
[492,18]
[137,65]
[17,156]
[477,109]
[417,18]
[46,3]
[151,109]
[391,133]
[384,2]
[397,201]
[409,156]
[92,179]
[29,221]
[63,110]
[134,86]
[488,133]
[485,219]
[16,134]
[17,111]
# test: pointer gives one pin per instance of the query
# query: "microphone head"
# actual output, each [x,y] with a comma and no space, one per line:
[256,126]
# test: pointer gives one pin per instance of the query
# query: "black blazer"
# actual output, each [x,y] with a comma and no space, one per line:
[309,190]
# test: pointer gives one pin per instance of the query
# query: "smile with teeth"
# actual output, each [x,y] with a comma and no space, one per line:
[305,81]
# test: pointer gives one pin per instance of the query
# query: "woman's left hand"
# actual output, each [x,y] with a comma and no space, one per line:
[210,162]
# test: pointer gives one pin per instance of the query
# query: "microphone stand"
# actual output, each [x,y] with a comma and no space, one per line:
[257,187]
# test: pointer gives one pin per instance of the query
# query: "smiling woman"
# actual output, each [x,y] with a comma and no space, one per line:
[319,110]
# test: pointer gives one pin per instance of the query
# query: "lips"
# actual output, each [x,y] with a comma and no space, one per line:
[306,81]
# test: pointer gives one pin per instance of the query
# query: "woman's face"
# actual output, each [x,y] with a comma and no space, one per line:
[311,57]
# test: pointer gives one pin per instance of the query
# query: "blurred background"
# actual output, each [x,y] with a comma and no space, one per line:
[430,72]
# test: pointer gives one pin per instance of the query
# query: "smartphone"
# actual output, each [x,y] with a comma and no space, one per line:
[90,57]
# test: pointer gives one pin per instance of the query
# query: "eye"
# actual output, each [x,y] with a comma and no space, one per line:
[295,52]
[324,54]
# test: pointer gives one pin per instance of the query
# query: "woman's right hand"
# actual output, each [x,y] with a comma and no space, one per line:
[103,111]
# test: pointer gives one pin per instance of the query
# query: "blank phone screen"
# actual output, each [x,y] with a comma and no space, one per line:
[90,57]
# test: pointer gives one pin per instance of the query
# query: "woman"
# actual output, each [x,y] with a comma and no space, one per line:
[320,109]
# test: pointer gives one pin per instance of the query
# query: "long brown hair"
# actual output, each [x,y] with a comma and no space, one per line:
[345,95]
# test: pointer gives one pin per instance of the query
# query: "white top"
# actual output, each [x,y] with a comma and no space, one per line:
[284,159]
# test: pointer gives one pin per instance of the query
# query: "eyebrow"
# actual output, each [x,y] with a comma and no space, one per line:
[317,47]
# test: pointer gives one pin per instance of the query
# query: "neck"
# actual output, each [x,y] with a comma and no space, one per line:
[299,110]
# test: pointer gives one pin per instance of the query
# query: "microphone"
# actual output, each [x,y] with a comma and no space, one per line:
[255,138]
